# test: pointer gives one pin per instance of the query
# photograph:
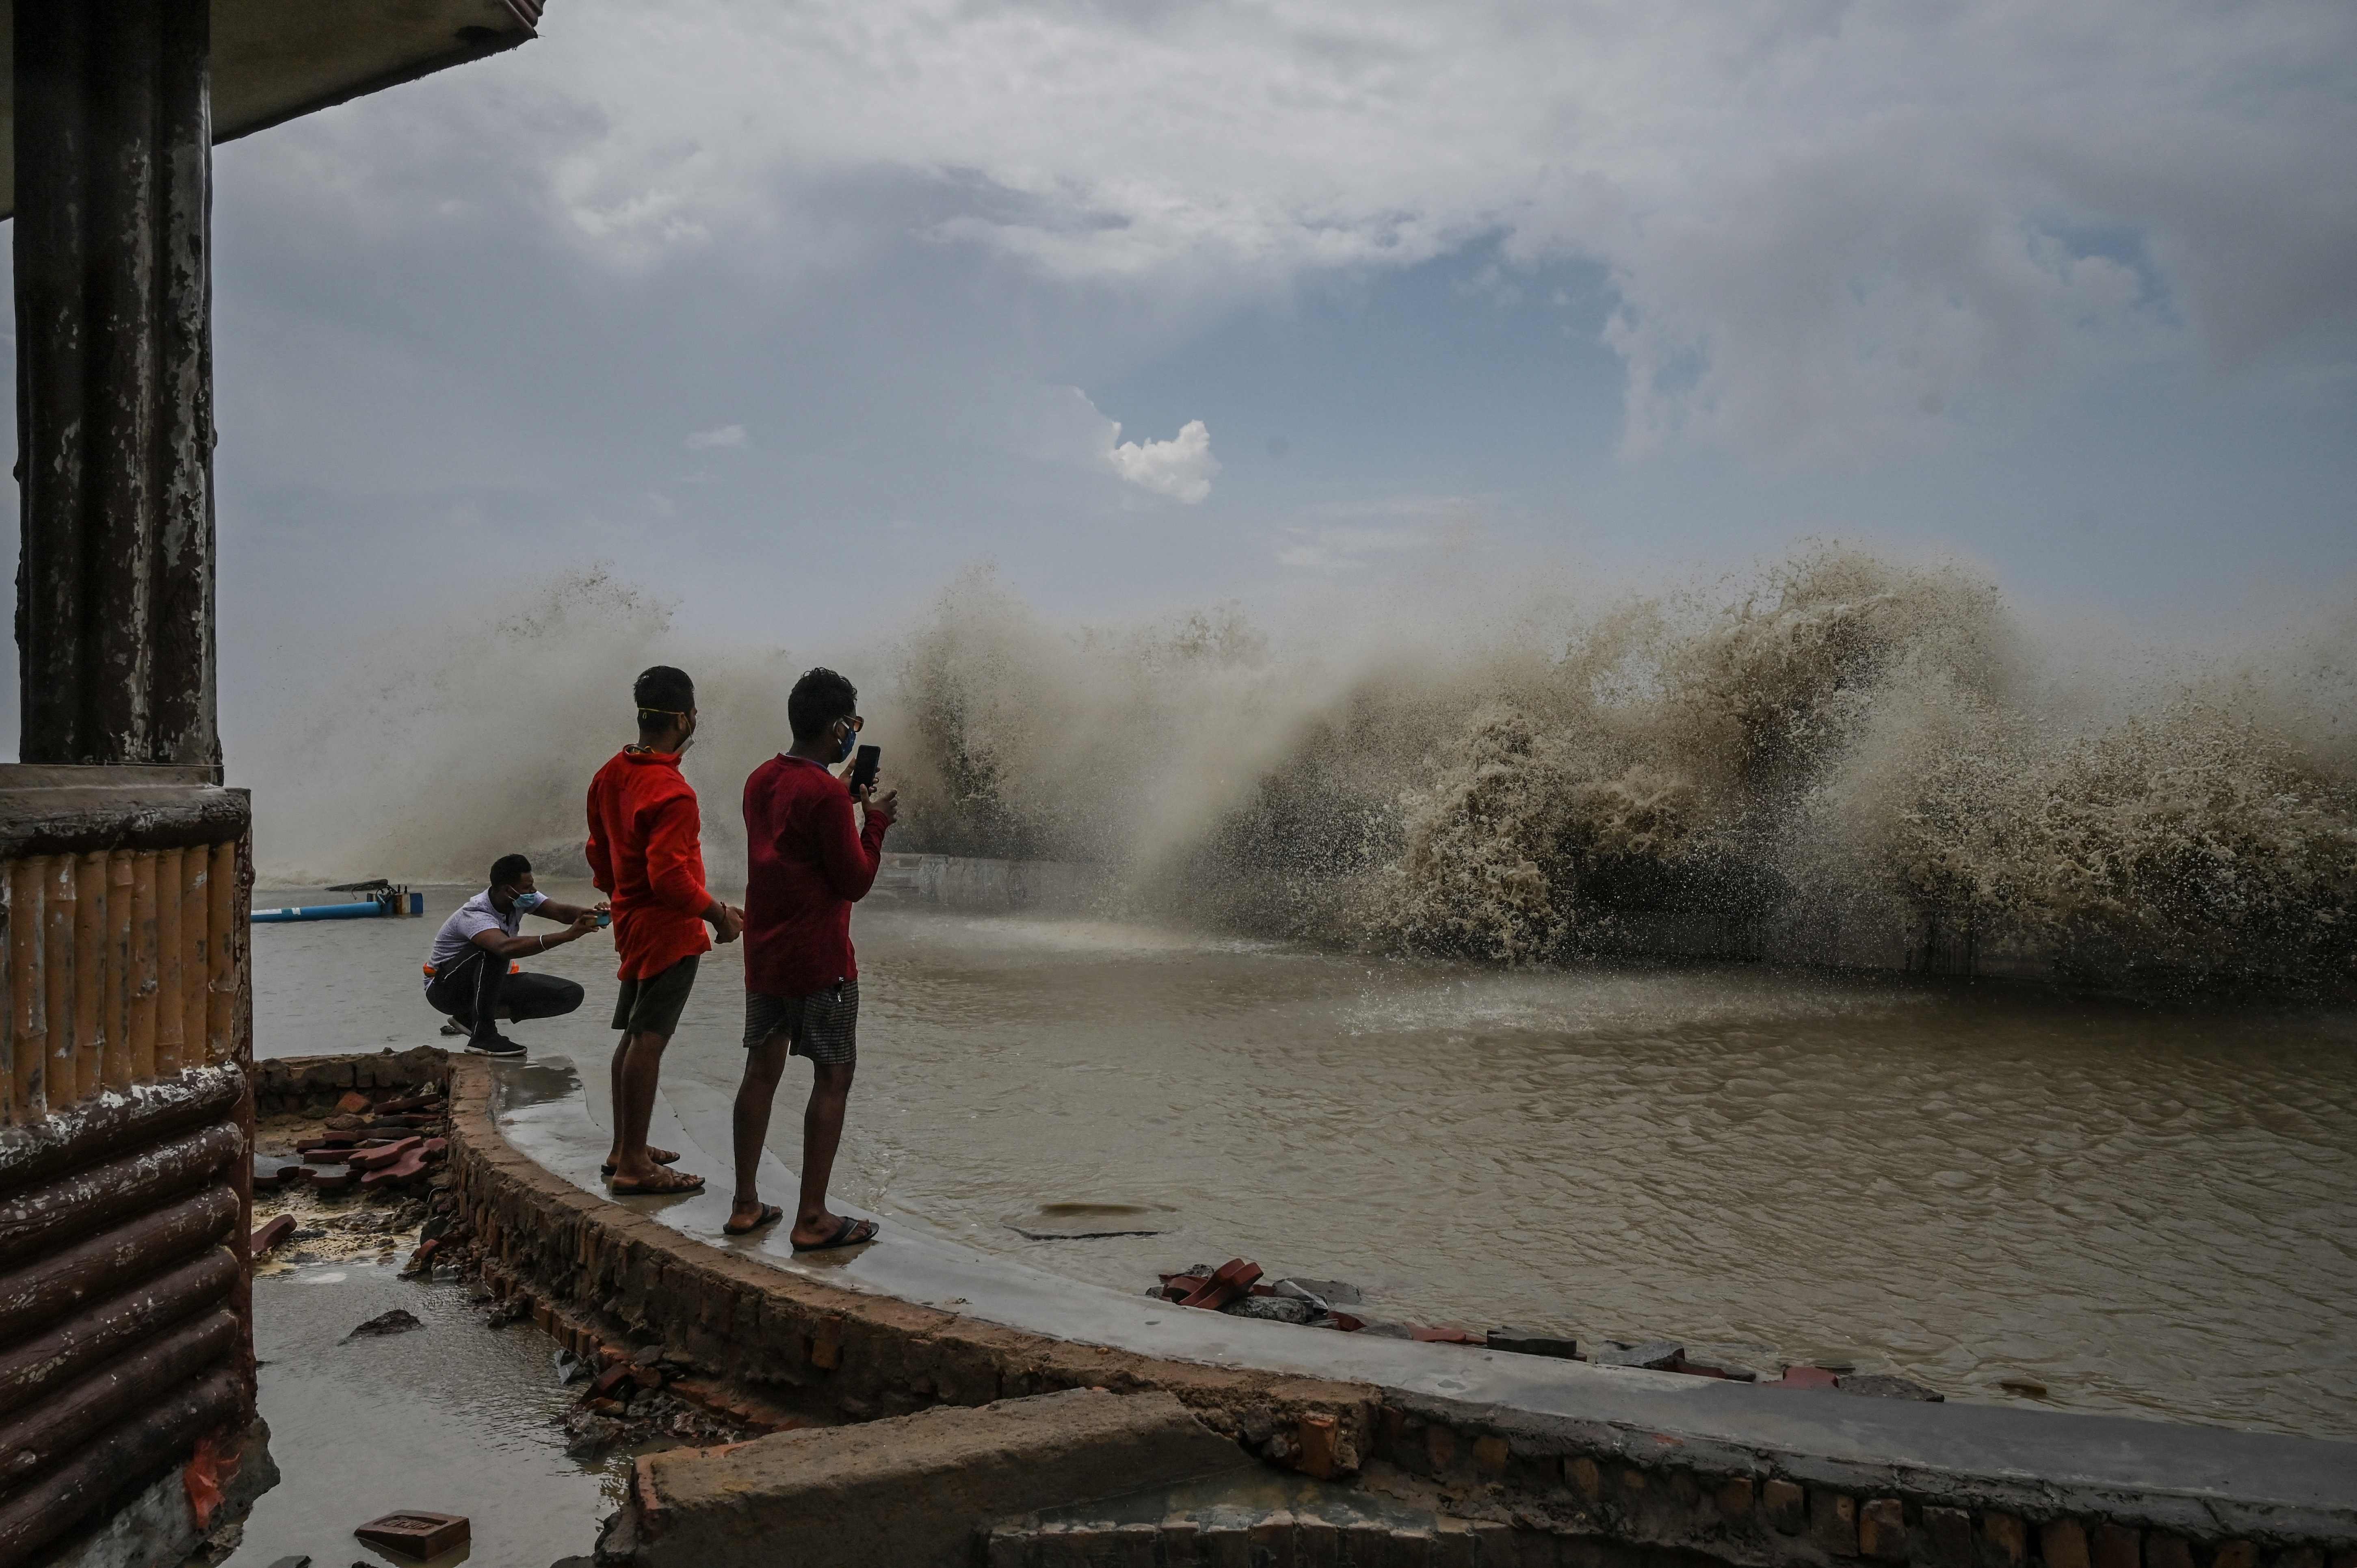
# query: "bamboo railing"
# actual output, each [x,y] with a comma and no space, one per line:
[122,966]
[125,1118]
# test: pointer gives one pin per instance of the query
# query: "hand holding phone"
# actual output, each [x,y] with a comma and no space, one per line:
[862,770]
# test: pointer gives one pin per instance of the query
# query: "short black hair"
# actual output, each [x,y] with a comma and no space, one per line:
[507,869]
[663,691]
[819,699]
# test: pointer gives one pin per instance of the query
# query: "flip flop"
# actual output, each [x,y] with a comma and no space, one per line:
[668,1184]
[770,1215]
[1229,1279]
[850,1232]
[660,1156]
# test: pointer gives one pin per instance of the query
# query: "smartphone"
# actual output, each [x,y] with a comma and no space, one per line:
[862,770]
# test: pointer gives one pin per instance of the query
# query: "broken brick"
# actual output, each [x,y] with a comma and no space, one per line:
[416,1533]
[2120,1546]
[1654,1355]
[1442,1336]
[384,1154]
[2062,1542]
[1833,1523]
[1318,1438]
[1882,1530]
[1951,1534]
[1695,1369]
[1534,1342]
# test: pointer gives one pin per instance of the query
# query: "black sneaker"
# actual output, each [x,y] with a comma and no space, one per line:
[494,1045]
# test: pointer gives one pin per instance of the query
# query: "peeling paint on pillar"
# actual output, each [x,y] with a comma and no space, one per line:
[114,610]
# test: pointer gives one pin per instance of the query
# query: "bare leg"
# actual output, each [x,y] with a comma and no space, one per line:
[822,1133]
[764,1065]
[642,1071]
[621,1054]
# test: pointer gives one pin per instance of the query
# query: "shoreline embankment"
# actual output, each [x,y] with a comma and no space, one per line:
[1609,1464]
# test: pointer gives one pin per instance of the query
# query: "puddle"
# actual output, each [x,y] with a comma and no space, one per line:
[453,1417]
[1088,1221]
[339,1228]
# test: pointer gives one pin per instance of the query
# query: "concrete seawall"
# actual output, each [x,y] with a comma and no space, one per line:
[1557,1461]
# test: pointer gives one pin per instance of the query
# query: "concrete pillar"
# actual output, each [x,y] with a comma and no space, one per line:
[114,592]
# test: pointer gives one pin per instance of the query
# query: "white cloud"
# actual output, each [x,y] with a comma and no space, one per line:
[1827,224]
[1182,466]
[1060,424]
[726,435]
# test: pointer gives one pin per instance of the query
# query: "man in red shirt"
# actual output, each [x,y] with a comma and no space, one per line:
[644,853]
[807,865]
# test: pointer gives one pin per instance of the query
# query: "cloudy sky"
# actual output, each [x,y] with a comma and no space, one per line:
[788,311]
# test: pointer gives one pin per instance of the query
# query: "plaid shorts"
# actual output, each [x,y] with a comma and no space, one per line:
[823,1026]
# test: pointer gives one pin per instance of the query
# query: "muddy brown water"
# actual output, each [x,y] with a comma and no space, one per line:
[452,1417]
[2144,1210]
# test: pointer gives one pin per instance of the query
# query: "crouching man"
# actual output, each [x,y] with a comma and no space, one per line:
[467,976]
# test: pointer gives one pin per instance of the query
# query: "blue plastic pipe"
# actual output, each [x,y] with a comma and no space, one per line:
[415,903]
[323,912]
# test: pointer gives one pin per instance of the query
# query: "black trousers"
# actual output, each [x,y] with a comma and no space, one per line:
[473,989]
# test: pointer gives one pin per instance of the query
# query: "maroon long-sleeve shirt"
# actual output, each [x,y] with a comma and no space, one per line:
[806,865]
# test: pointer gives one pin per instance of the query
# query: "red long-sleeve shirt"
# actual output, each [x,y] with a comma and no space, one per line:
[644,854]
[805,868]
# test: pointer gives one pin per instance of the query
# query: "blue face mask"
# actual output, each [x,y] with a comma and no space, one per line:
[850,739]
[525,902]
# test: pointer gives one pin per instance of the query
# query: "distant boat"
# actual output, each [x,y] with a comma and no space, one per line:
[384,900]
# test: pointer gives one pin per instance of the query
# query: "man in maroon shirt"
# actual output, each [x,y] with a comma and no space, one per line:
[807,865]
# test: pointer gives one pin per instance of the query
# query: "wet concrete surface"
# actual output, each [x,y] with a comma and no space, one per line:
[2137,1209]
[452,1416]
[547,1112]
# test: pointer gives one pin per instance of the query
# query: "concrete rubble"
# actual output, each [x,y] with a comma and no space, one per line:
[1240,1289]
[913,1490]
[641,1397]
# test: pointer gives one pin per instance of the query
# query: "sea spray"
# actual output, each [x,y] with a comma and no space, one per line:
[440,748]
[1836,745]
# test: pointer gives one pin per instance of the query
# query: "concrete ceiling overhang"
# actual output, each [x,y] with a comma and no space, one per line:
[276,59]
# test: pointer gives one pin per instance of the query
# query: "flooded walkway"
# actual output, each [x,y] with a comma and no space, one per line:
[878,1330]
[2141,1211]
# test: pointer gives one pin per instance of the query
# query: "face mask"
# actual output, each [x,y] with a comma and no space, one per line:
[529,901]
[850,739]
